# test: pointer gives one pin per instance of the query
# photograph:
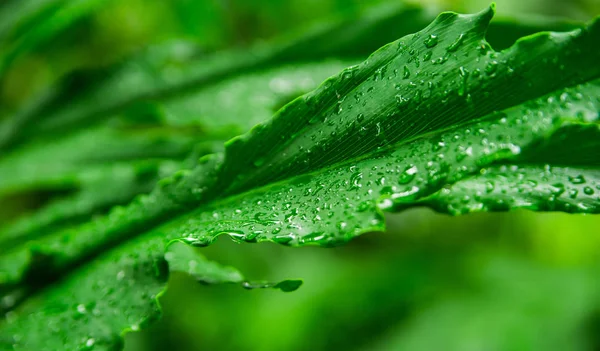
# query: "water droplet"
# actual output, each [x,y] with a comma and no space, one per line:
[364,206]
[121,275]
[454,46]
[408,174]
[557,189]
[431,41]
[464,74]
[588,190]
[579,179]
[418,97]
[387,190]
[491,67]
[573,193]
[283,239]
[409,193]
[401,101]
[339,108]
[385,204]
[355,180]
[406,72]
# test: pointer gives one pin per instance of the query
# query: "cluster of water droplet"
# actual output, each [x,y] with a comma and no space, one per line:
[534,187]
[334,205]
[116,292]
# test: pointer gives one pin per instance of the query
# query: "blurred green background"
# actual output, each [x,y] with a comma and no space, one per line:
[513,281]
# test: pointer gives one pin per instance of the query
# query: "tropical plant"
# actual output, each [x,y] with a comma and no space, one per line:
[171,146]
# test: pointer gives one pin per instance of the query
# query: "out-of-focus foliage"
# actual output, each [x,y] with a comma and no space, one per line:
[507,282]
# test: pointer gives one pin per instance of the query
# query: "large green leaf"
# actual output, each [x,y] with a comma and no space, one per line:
[417,119]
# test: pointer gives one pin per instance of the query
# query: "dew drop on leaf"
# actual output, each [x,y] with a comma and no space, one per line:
[573,193]
[579,179]
[491,67]
[431,41]
[401,101]
[364,206]
[463,81]
[407,194]
[282,239]
[355,180]
[557,189]
[454,46]
[408,174]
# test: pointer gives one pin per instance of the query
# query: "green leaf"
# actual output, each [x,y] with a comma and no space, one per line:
[419,116]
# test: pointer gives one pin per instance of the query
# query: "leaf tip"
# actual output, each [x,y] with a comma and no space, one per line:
[486,15]
[289,285]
